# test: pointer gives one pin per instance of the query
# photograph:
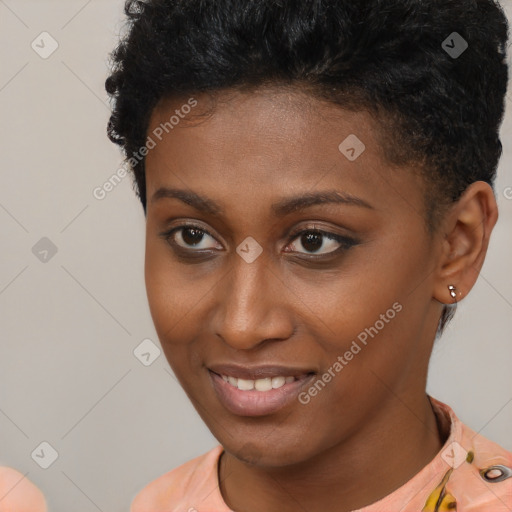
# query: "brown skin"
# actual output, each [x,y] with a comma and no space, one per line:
[373,422]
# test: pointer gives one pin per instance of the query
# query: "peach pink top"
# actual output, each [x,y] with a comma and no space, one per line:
[469,474]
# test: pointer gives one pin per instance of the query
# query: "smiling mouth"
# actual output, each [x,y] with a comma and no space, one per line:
[247,390]
[267,393]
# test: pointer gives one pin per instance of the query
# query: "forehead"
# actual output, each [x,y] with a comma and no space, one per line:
[287,123]
[269,144]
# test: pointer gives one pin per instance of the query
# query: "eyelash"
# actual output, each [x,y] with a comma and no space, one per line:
[344,241]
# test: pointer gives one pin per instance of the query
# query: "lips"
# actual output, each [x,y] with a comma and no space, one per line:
[245,391]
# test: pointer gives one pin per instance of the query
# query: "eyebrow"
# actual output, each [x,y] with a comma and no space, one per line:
[283,207]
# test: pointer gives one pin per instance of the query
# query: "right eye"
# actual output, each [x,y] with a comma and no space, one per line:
[188,237]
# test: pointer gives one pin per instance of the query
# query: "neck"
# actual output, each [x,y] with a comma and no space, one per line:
[382,456]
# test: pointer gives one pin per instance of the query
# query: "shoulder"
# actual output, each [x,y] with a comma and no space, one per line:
[482,475]
[18,493]
[181,486]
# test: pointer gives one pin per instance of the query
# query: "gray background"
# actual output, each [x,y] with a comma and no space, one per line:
[69,326]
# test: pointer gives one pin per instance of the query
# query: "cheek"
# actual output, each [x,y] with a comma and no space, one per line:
[171,310]
[379,301]
[176,295]
[165,291]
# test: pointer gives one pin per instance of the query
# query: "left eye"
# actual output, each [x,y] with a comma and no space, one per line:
[314,240]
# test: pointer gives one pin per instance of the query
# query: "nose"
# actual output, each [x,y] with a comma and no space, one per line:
[252,306]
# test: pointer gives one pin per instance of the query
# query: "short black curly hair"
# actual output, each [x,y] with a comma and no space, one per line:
[436,109]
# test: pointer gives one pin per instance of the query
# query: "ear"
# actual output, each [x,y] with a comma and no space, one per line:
[466,233]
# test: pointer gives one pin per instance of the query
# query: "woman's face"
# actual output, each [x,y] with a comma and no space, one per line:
[236,288]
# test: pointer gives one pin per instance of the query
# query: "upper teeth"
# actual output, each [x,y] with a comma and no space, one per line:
[260,384]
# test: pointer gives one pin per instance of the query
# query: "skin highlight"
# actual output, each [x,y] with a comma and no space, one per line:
[256,149]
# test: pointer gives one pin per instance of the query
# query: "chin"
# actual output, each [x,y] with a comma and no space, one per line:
[267,453]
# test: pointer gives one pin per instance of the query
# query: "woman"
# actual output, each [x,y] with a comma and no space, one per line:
[317,180]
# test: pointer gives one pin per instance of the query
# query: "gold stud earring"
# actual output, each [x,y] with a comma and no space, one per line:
[453,293]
